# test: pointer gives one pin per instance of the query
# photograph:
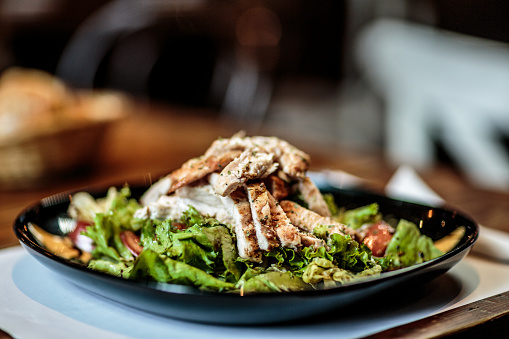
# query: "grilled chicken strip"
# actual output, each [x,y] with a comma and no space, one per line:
[239,142]
[239,208]
[288,234]
[307,220]
[262,218]
[172,207]
[293,161]
[313,197]
[197,168]
[258,219]
[277,187]
[156,190]
[250,164]
[191,171]
[310,240]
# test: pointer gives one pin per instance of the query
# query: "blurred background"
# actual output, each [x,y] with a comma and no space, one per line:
[421,81]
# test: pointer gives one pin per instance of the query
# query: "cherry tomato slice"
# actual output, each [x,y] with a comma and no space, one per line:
[378,237]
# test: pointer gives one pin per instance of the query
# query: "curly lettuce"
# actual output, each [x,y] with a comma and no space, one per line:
[409,247]
[115,216]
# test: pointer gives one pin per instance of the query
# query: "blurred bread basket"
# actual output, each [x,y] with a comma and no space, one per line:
[48,129]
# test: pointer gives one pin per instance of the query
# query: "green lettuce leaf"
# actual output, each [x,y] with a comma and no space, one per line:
[105,232]
[226,247]
[324,271]
[155,235]
[274,282]
[357,217]
[203,243]
[348,254]
[282,258]
[408,247]
[116,268]
[167,270]
[211,234]
[107,226]
[123,207]
[181,273]
[193,247]
[346,259]
[150,264]
[331,203]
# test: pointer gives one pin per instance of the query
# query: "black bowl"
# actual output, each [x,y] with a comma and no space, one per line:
[192,304]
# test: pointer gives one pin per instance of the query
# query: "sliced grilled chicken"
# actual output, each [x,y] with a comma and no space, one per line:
[204,192]
[159,188]
[288,234]
[307,220]
[238,142]
[246,194]
[293,161]
[239,208]
[277,187]
[313,197]
[310,240]
[262,218]
[250,164]
[203,198]
[198,168]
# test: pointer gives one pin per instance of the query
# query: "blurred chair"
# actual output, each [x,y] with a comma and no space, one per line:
[117,40]
[97,35]
[439,85]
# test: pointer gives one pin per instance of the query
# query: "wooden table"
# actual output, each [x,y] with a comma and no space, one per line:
[155,140]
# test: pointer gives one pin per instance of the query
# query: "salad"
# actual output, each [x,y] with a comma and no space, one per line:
[242,218]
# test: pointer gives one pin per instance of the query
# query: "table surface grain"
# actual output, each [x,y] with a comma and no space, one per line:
[154,140]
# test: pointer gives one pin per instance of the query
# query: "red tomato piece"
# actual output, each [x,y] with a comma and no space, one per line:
[178,225]
[378,237]
[132,242]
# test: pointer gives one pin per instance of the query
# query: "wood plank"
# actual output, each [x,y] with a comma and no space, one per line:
[461,321]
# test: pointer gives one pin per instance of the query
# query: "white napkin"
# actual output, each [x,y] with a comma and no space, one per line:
[406,185]
[336,178]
